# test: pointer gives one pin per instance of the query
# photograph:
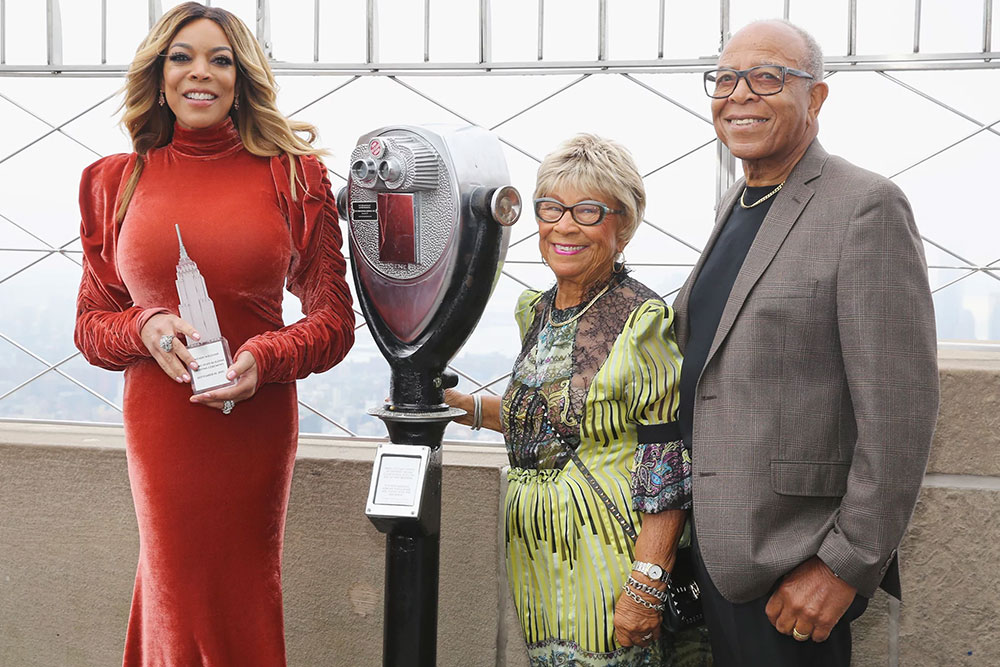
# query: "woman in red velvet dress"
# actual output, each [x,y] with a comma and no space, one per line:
[213,154]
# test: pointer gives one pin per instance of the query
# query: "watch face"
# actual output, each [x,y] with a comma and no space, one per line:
[655,572]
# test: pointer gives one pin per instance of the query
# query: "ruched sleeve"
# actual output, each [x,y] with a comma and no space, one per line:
[524,311]
[316,275]
[107,324]
[661,474]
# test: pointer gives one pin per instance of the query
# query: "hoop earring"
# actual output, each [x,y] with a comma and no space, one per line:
[619,264]
[163,99]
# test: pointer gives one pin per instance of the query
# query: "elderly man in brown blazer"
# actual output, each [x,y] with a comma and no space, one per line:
[809,390]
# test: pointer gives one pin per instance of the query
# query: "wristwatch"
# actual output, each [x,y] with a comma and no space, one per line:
[651,570]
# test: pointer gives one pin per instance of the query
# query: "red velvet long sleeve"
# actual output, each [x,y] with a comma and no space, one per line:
[316,275]
[107,324]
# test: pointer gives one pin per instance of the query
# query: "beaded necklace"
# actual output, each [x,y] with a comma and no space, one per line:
[555,324]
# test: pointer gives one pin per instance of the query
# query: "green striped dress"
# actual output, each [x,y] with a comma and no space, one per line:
[587,381]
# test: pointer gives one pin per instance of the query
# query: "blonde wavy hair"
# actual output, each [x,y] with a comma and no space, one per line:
[263,129]
[600,166]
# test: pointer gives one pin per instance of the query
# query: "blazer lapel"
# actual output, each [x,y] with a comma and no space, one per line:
[787,208]
[680,303]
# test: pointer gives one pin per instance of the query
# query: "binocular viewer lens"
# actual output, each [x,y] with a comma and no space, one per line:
[390,171]
[364,171]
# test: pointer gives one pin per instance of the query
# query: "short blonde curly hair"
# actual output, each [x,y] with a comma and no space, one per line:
[602,166]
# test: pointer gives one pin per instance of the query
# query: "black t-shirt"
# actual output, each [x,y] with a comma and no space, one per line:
[710,292]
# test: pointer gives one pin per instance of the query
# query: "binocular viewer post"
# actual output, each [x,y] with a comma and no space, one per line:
[429,210]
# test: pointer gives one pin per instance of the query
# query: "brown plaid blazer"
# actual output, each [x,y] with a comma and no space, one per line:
[814,413]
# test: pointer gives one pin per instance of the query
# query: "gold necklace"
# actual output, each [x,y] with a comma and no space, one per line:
[578,315]
[770,194]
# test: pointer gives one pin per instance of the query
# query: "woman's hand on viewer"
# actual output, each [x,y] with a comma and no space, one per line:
[489,404]
[457,399]
[244,368]
[178,360]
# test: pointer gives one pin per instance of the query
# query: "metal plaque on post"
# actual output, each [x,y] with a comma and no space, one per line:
[397,485]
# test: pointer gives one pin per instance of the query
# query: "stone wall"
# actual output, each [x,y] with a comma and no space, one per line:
[68,548]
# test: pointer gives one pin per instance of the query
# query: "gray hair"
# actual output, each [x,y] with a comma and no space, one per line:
[812,60]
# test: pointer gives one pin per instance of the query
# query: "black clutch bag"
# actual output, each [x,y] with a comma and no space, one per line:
[683,603]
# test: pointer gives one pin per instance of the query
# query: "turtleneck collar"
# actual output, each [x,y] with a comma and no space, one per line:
[212,142]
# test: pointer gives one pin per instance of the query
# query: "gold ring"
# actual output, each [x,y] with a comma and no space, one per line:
[799,637]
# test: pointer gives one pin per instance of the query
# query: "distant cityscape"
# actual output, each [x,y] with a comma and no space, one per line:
[344,394]
[43,324]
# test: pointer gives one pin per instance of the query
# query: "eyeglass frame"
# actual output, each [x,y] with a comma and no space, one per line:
[742,74]
[605,211]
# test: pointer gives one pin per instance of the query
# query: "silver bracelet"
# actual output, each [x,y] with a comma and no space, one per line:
[648,605]
[655,592]
[477,412]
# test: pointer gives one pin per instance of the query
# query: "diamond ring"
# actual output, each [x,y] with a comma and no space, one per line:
[227,407]
[167,342]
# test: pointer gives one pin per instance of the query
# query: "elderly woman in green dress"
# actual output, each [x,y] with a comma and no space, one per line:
[594,392]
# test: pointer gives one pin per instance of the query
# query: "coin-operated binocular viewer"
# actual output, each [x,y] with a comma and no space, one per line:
[429,210]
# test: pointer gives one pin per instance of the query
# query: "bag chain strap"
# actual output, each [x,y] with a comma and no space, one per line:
[612,508]
[672,588]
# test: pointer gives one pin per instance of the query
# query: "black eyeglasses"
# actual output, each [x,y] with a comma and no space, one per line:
[762,80]
[587,212]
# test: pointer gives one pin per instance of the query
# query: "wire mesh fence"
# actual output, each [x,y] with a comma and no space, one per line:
[913,97]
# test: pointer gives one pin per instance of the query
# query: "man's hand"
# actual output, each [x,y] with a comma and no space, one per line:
[810,600]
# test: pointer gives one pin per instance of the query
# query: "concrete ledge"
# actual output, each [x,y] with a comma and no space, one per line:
[68,548]
[70,544]
[952,582]
[68,553]
[967,438]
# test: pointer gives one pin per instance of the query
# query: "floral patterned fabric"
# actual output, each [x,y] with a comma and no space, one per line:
[661,477]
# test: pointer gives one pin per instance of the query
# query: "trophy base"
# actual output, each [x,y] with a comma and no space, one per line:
[214,359]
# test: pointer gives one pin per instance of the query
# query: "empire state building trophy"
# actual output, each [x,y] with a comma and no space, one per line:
[196,308]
